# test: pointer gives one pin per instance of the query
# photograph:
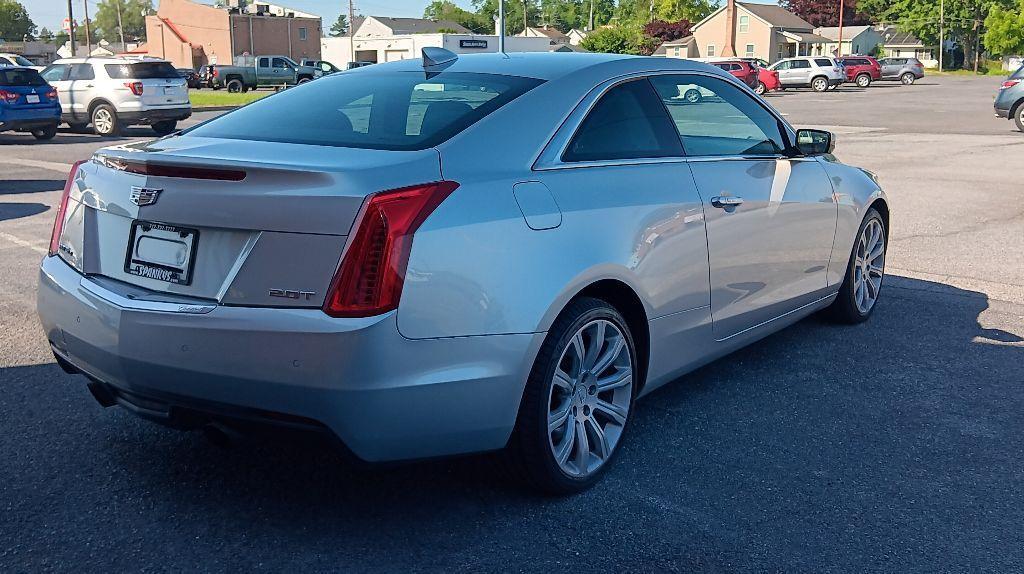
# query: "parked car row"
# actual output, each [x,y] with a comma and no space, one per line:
[819,73]
[1009,101]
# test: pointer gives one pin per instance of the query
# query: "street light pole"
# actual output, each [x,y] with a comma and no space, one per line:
[120,27]
[88,35]
[351,33]
[942,30]
[71,26]
[839,50]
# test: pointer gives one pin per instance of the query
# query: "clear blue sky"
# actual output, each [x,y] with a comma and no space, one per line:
[50,13]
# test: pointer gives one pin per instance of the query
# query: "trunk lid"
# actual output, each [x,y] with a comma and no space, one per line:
[258,218]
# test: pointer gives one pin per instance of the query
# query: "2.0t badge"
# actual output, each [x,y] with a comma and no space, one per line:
[144,195]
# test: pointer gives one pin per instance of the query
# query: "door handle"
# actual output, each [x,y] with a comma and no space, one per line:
[726,201]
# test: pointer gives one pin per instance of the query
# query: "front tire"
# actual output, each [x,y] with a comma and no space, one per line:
[819,84]
[907,79]
[761,89]
[864,273]
[104,120]
[863,80]
[693,96]
[577,401]
[46,133]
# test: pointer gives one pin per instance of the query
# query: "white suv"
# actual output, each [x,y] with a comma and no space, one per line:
[816,72]
[7,59]
[111,93]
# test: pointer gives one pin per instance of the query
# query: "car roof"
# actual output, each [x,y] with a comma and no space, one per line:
[540,65]
[8,68]
[106,60]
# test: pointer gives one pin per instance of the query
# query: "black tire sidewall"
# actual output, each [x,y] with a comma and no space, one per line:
[814,83]
[761,89]
[115,125]
[531,427]
[865,79]
[845,305]
[1019,117]
[47,133]
[907,79]
[165,127]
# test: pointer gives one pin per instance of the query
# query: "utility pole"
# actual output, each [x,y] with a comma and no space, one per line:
[839,50]
[942,30]
[351,32]
[120,28]
[71,26]
[977,44]
[590,27]
[525,25]
[88,35]
[501,26]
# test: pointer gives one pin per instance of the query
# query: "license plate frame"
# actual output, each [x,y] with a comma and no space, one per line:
[176,275]
[32,98]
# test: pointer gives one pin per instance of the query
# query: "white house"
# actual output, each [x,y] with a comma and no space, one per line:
[576,36]
[856,39]
[379,39]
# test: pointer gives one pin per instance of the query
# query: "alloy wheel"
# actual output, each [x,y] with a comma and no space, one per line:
[863,81]
[692,96]
[820,85]
[761,89]
[869,266]
[103,121]
[590,397]
[907,79]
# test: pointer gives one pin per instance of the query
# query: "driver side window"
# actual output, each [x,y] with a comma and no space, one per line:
[723,122]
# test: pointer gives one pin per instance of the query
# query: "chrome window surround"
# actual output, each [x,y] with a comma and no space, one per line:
[550,158]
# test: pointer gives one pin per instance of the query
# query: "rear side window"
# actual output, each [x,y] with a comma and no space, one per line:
[823,62]
[82,72]
[628,122]
[724,122]
[799,64]
[55,73]
[21,78]
[141,71]
[387,111]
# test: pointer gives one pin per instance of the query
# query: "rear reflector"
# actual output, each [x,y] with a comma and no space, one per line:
[58,222]
[169,170]
[372,271]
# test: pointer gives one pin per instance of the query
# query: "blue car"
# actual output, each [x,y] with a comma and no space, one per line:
[28,103]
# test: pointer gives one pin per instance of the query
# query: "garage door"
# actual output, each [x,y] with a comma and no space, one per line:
[394,55]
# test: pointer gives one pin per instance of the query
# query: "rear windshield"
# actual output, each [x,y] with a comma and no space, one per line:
[141,71]
[823,62]
[392,111]
[21,78]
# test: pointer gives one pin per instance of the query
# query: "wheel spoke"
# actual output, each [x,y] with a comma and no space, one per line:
[609,356]
[577,347]
[563,380]
[582,448]
[619,379]
[557,418]
[615,412]
[602,440]
[567,445]
[596,344]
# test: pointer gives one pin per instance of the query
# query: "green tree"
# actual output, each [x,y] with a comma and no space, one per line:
[45,35]
[568,14]
[80,32]
[340,26]
[61,38]
[620,39]
[14,21]
[133,19]
[1005,35]
[675,10]
[447,10]
[488,11]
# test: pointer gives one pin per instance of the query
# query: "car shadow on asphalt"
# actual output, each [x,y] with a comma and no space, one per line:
[15,186]
[788,439]
[18,210]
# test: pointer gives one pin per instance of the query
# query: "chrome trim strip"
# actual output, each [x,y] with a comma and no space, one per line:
[237,266]
[142,305]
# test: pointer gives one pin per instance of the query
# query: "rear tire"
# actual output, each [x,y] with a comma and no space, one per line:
[165,127]
[858,298]
[1018,118]
[819,84]
[863,80]
[907,79]
[79,128]
[105,121]
[761,89]
[693,96]
[568,405]
[235,86]
[46,133]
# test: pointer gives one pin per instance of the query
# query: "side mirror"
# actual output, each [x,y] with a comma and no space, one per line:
[815,142]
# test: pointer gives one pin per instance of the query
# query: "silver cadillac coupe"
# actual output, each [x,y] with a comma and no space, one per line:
[455,254]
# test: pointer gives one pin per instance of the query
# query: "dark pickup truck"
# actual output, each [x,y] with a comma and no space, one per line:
[263,71]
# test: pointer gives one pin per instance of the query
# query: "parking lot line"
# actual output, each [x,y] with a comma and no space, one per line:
[22,242]
[52,165]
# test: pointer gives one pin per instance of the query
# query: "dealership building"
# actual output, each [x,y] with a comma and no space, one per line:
[378,39]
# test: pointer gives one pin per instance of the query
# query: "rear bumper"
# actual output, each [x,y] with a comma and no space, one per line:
[1002,113]
[155,115]
[29,119]
[385,397]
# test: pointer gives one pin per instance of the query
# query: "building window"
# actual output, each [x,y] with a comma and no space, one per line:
[677,52]
[711,51]
[744,23]
[302,33]
[750,50]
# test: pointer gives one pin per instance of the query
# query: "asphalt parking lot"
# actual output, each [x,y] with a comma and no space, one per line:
[895,445]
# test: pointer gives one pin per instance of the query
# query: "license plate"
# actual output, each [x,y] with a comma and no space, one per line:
[32,98]
[162,252]
[169,91]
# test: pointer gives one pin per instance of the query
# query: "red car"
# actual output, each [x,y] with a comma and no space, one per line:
[745,71]
[861,70]
[767,80]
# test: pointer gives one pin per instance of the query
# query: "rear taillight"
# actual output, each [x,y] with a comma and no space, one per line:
[1009,84]
[52,94]
[135,87]
[58,223]
[9,97]
[372,271]
[214,72]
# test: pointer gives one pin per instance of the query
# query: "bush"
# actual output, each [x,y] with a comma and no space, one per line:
[619,40]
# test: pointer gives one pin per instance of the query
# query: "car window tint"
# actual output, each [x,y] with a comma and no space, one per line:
[783,66]
[824,62]
[725,121]
[141,71]
[264,62]
[628,122]
[799,64]
[54,73]
[279,63]
[82,72]
[388,111]
[21,78]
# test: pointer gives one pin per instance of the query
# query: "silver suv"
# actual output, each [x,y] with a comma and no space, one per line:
[111,93]
[816,72]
